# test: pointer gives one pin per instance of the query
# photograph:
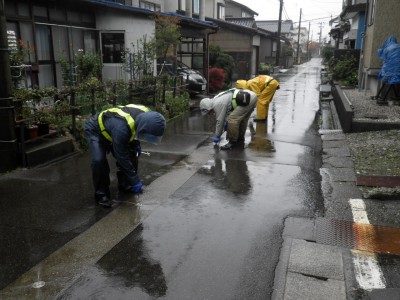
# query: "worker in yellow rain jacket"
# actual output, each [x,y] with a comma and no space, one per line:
[264,86]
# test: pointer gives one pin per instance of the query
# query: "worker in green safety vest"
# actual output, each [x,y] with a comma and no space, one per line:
[232,109]
[119,130]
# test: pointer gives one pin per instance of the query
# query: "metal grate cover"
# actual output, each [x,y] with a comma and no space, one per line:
[364,237]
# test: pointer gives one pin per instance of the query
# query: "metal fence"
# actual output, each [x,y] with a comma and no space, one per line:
[69,108]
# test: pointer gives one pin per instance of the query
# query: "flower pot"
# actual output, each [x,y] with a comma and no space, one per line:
[43,128]
[33,132]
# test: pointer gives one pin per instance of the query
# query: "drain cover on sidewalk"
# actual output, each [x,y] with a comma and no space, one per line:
[364,237]
[378,181]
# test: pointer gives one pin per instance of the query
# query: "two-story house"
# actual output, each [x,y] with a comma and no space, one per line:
[353,14]
[300,38]
[366,25]
[285,36]
[57,30]
[382,21]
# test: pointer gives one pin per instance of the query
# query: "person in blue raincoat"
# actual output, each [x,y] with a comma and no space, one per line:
[119,130]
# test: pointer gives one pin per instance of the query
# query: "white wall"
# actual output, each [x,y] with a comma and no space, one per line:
[134,27]
[172,5]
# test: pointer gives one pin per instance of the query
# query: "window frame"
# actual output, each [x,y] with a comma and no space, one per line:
[149,5]
[102,45]
[196,7]
[220,11]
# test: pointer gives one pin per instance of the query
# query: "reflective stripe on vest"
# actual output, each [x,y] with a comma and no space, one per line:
[234,104]
[235,92]
[129,120]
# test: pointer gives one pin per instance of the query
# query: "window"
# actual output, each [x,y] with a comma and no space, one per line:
[150,6]
[43,42]
[44,54]
[371,12]
[221,11]
[245,14]
[196,6]
[112,45]
[89,41]
[60,42]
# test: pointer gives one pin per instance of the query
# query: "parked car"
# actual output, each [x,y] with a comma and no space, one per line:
[195,81]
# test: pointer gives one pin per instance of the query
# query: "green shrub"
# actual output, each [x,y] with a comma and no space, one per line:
[345,70]
[219,59]
[266,69]
[327,53]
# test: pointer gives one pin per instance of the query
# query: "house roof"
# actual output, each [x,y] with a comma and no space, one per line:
[245,29]
[247,22]
[351,10]
[234,26]
[272,26]
[335,19]
[138,10]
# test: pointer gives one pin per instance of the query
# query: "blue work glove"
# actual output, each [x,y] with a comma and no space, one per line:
[137,188]
[225,126]
[216,139]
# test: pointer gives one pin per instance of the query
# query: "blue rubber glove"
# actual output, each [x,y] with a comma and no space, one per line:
[137,188]
[216,139]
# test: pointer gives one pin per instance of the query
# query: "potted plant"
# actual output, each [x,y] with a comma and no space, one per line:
[33,130]
[45,118]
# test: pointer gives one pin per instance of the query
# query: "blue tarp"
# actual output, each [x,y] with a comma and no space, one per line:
[390,54]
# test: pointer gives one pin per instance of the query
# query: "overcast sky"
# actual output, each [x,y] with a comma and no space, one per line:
[315,11]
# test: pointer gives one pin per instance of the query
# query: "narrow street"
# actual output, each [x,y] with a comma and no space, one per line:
[219,235]
[211,226]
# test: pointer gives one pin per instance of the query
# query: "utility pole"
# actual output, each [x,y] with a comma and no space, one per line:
[8,143]
[278,46]
[308,42]
[298,41]
[320,38]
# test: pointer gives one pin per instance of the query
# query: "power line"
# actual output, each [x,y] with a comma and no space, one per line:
[330,17]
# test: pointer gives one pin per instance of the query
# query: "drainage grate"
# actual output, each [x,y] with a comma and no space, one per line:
[364,237]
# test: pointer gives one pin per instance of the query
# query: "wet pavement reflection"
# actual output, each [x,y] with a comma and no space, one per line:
[120,273]
[217,235]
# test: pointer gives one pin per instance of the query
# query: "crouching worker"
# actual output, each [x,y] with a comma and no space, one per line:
[233,106]
[120,130]
[264,86]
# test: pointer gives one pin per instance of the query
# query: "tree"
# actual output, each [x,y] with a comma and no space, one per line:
[327,53]
[217,77]
[219,59]
[167,35]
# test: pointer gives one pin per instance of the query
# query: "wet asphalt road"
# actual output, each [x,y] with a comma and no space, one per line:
[210,227]
[218,235]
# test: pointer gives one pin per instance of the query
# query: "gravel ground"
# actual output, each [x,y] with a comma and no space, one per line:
[375,152]
[366,108]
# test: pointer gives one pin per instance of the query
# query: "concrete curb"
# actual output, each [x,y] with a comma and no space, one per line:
[345,115]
